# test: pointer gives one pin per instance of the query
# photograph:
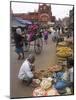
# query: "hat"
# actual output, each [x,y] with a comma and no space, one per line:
[18,31]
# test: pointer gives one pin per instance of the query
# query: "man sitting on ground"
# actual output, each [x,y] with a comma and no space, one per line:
[26,70]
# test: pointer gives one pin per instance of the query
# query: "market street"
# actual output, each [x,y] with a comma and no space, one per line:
[46,59]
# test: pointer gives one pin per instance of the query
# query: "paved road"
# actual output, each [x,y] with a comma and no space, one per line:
[45,59]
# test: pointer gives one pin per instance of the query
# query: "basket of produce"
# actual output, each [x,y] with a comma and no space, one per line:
[38,75]
[39,92]
[55,68]
[42,73]
[64,52]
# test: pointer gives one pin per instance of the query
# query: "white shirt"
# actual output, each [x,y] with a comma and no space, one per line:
[68,75]
[25,71]
[71,74]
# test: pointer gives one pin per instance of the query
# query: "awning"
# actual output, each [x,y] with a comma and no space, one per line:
[15,22]
[23,21]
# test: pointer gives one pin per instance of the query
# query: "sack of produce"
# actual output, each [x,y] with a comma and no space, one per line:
[46,83]
[39,92]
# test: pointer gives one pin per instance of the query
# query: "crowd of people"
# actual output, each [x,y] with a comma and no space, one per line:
[28,34]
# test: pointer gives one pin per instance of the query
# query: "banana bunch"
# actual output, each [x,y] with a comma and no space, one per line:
[64,51]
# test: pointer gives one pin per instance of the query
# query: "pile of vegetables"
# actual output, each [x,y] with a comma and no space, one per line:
[39,92]
[46,83]
[64,51]
[42,73]
[45,88]
[55,68]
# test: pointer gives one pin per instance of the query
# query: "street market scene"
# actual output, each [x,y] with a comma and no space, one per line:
[41,49]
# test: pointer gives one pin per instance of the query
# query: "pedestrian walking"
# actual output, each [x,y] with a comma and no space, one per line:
[53,35]
[19,43]
[45,33]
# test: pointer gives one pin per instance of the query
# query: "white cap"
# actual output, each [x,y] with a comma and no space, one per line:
[31,56]
[18,31]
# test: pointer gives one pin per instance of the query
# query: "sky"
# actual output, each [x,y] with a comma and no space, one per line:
[59,11]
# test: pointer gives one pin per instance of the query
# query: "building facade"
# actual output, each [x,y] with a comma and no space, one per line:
[43,15]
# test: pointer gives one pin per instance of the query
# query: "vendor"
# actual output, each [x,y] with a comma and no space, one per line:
[26,70]
[70,39]
[65,79]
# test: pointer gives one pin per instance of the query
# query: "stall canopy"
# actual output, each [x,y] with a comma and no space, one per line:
[16,21]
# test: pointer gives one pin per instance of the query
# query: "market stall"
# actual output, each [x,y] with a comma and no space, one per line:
[53,81]
[47,82]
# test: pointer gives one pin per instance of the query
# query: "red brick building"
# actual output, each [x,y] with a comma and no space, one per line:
[43,15]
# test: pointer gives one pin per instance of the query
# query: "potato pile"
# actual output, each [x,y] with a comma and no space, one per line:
[64,51]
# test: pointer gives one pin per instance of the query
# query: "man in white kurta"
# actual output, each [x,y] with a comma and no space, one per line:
[25,72]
